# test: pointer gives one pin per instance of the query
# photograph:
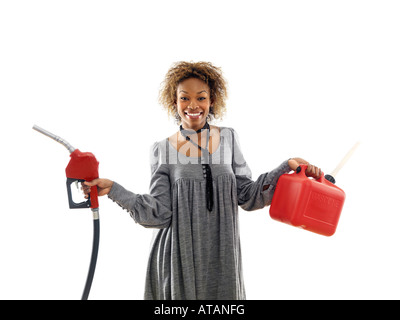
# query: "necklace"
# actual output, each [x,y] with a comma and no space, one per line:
[206,166]
[186,133]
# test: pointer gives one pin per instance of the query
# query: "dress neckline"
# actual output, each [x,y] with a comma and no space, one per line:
[197,157]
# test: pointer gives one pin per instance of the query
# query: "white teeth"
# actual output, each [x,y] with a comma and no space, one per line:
[193,114]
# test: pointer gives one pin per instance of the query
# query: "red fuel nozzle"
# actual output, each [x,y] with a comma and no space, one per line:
[83,166]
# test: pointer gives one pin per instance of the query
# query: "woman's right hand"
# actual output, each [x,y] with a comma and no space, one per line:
[103,186]
[312,171]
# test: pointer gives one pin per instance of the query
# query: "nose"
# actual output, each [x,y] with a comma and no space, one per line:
[192,105]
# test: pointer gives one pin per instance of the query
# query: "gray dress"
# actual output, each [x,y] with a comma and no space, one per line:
[195,253]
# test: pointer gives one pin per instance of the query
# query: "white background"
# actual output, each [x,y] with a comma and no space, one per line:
[306,78]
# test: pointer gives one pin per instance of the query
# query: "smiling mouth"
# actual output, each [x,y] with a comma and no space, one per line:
[193,115]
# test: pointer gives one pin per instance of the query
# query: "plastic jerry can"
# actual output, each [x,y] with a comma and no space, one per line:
[311,204]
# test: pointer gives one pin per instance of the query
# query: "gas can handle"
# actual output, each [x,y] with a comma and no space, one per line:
[301,169]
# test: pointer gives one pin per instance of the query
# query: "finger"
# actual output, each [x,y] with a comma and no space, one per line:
[315,172]
[92,183]
[309,171]
[86,191]
[84,187]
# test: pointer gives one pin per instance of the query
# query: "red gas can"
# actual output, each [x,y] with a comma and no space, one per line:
[312,204]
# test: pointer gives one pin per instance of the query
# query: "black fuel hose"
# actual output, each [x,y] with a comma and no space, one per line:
[95,250]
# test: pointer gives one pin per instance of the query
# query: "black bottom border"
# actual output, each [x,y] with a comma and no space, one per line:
[199,309]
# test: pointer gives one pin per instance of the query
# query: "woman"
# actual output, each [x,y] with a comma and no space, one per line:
[199,178]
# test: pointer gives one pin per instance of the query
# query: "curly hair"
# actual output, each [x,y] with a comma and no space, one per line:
[205,71]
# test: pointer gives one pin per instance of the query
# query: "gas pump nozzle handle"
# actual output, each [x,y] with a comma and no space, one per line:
[83,166]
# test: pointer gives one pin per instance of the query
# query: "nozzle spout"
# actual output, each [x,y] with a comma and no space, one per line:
[54,137]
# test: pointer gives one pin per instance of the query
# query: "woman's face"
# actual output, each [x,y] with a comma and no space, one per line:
[193,103]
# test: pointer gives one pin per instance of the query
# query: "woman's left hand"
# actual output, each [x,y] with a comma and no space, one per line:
[312,171]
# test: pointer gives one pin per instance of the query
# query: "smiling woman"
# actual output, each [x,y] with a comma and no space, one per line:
[199,179]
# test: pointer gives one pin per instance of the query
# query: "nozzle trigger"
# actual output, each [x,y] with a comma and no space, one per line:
[72,203]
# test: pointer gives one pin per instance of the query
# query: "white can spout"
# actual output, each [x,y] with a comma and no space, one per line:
[331,177]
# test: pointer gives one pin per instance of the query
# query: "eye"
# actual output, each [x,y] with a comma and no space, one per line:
[184,98]
[201,98]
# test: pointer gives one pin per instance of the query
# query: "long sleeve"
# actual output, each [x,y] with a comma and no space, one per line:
[151,210]
[251,195]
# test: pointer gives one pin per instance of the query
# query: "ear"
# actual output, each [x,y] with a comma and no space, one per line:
[211,103]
